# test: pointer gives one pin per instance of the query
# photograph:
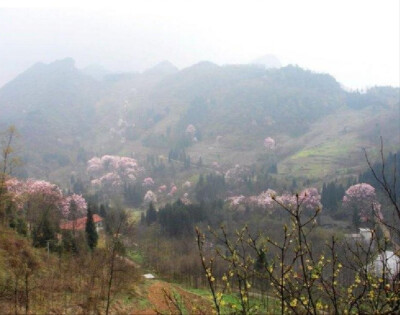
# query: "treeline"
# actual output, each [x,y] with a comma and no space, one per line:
[178,219]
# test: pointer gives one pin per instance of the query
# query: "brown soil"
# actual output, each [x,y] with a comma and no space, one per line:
[167,298]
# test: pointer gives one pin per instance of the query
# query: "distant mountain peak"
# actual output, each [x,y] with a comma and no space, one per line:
[205,64]
[164,67]
[68,61]
[268,61]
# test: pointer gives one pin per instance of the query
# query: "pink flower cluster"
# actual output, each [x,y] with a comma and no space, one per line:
[173,190]
[150,197]
[162,188]
[30,190]
[190,129]
[76,201]
[111,171]
[236,175]
[148,182]
[187,184]
[310,198]
[44,194]
[269,200]
[269,143]
[236,200]
[362,198]
[185,199]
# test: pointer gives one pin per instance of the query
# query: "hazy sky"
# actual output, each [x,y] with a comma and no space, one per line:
[356,41]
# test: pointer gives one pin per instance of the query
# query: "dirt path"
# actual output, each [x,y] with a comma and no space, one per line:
[166,298]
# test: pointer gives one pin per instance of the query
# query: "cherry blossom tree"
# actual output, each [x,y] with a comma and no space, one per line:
[185,199]
[111,171]
[265,199]
[162,188]
[148,182]
[150,197]
[73,203]
[269,143]
[310,199]
[42,195]
[172,190]
[191,130]
[362,198]
[236,175]
[187,184]
[236,200]
[269,200]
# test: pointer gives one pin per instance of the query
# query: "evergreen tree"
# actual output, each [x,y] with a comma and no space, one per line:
[151,214]
[102,211]
[43,232]
[142,218]
[91,233]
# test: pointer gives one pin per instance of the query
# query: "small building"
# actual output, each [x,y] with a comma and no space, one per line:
[80,224]
[149,276]
[388,263]
[364,236]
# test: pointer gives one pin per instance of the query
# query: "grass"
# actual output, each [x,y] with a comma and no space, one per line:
[231,301]
[328,149]
[135,256]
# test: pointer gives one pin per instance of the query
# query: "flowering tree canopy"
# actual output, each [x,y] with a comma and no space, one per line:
[162,188]
[310,198]
[236,175]
[187,184]
[185,199]
[269,143]
[44,195]
[190,129]
[236,200]
[270,200]
[265,199]
[111,171]
[173,190]
[74,203]
[34,190]
[148,182]
[362,198]
[150,197]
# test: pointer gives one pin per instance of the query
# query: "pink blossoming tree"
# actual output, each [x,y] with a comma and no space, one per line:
[269,143]
[148,182]
[150,196]
[362,198]
[111,171]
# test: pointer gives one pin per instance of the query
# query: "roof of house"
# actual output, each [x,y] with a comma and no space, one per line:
[149,276]
[79,224]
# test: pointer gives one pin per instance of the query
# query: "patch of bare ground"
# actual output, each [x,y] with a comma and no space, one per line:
[166,298]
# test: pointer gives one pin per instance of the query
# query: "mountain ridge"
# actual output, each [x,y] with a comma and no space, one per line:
[59,107]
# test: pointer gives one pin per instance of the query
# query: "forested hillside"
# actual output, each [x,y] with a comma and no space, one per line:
[221,114]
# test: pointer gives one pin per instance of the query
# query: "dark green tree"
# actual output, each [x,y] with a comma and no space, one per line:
[151,214]
[91,233]
[44,231]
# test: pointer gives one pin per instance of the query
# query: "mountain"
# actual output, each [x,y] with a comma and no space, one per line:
[97,72]
[268,61]
[66,116]
[162,68]
[53,106]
